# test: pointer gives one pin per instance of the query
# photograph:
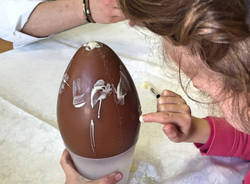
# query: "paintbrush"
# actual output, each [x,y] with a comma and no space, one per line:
[150,87]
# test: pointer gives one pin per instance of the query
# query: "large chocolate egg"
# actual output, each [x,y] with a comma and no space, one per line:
[98,107]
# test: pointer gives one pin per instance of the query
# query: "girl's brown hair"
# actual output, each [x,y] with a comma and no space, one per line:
[214,30]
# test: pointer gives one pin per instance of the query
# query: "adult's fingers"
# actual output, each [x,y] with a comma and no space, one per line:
[131,23]
[67,164]
[112,178]
[65,158]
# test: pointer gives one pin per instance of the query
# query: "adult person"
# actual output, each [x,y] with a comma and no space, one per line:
[26,21]
[209,41]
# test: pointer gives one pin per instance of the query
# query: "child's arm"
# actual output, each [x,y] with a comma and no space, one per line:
[225,140]
[215,135]
[175,115]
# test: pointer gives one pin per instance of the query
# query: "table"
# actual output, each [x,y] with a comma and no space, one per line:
[5,45]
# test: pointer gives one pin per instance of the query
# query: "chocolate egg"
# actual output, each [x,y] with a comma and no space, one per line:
[98,107]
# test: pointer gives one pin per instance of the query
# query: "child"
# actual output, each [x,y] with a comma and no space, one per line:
[209,41]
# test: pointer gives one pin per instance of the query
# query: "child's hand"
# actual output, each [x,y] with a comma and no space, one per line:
[174,114]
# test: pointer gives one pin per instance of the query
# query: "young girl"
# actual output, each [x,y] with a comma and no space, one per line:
[209,40]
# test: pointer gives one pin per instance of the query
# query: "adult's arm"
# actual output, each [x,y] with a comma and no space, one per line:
[26,21]
[50,17]
[14,14]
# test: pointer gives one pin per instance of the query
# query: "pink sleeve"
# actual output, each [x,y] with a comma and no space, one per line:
[225,140]
[247,178]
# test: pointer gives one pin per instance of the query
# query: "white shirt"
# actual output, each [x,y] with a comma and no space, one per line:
[14,14]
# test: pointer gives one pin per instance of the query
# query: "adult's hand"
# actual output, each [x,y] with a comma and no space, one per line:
[73,177]
[51,17]
[106,11]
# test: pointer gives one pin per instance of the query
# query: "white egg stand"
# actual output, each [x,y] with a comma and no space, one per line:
[96,168]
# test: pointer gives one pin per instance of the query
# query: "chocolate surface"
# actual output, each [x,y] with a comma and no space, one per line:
[98,107]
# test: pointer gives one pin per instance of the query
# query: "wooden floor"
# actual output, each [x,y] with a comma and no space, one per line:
[5,45]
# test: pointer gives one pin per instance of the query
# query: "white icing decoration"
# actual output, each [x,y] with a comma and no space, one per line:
[92,135]
[64,81]
[91,45]
[105,90]
[78,100]
[122,88]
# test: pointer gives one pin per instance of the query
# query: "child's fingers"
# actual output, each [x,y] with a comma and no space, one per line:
[181,120]
[166,92]
[158,117]
[178,119]
[176,125]
[177,108]
[170,99]
[172,132]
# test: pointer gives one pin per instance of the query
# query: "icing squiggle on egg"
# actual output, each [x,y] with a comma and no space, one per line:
[122,88]
[92,135]
[104,91]
[91,45]
[78,99]
[64,81]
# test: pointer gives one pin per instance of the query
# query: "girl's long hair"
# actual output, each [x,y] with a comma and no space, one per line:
[214,30]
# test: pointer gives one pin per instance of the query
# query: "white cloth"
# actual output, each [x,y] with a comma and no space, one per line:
[29,82]
[30,149]
[14,14]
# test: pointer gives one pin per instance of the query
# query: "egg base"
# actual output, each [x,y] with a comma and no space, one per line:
[96,168]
